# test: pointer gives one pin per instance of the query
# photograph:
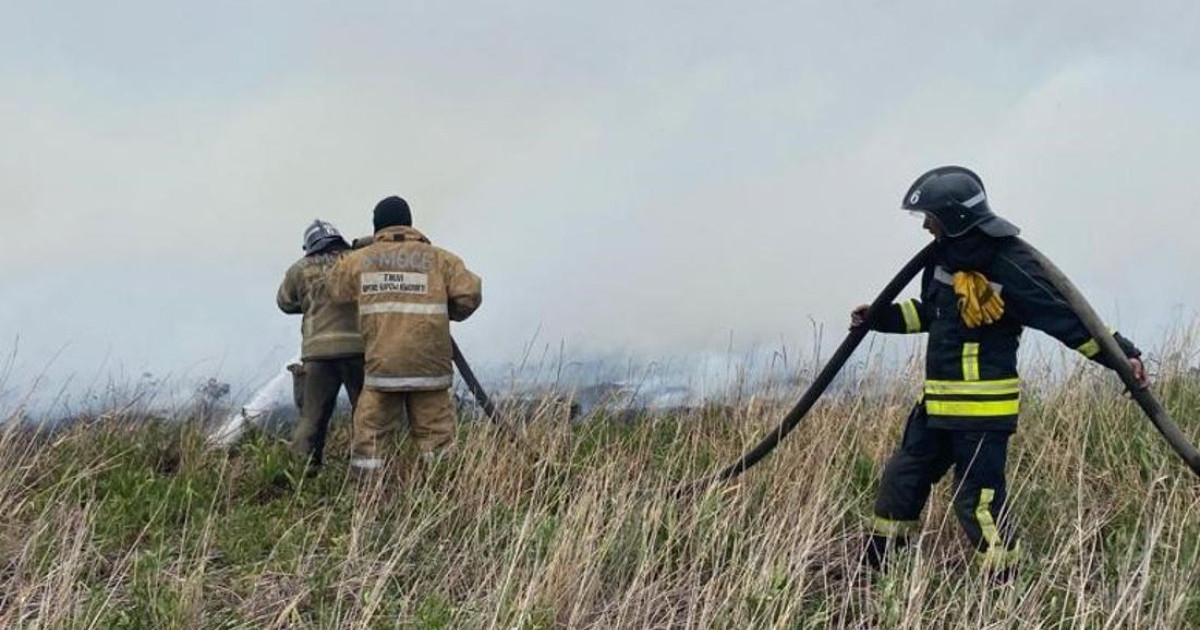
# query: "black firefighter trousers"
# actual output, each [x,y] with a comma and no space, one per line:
[924,456]
[322,380]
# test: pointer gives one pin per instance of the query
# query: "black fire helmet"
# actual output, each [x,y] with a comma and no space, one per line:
[956,198]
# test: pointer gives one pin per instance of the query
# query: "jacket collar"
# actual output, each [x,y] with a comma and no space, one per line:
[400,233]
[973,251]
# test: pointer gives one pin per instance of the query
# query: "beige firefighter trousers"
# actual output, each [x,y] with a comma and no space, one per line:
[430,423]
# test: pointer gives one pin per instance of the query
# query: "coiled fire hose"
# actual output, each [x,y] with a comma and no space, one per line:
[1108,346]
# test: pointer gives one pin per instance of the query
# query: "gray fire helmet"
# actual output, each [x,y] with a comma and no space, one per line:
[319,235]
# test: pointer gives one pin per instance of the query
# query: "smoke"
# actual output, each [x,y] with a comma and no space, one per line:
[675,179]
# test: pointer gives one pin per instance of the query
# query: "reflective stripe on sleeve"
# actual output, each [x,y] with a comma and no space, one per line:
[970,361]
[409,382]
[1090,348]
[912,319]
[402,307]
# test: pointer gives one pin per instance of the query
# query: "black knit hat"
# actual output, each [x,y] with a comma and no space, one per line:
[391,212]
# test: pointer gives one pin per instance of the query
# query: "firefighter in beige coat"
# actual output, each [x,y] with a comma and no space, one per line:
[407,291]
[332,349]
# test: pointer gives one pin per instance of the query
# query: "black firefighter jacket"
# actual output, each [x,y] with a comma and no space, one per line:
[971,380]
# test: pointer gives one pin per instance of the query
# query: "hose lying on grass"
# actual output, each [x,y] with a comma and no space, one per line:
[1108,345]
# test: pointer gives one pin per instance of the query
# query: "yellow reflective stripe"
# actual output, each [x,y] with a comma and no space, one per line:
[891,529]
[970,361]
[1089,349]
[912,320]
[1000,386]
[972,408]
[997,558]
[983,514]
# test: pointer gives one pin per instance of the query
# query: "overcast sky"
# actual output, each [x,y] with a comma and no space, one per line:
[650,177]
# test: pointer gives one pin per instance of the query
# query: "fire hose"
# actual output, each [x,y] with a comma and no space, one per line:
[827,374]
[468,375]
[1153,409]
[1145,399]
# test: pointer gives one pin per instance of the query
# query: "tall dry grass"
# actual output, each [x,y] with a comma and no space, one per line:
[109,525]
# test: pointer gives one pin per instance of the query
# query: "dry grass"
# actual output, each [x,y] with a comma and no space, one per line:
[111,526]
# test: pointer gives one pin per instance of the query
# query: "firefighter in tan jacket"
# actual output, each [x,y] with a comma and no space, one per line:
[407,292]
[332,349]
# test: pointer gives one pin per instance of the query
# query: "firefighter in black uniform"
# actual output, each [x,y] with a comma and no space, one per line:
[983,287]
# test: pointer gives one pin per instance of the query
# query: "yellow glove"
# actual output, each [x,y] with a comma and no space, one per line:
[977,303]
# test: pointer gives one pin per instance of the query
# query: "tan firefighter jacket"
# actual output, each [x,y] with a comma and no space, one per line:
[329,329]
[407,292]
